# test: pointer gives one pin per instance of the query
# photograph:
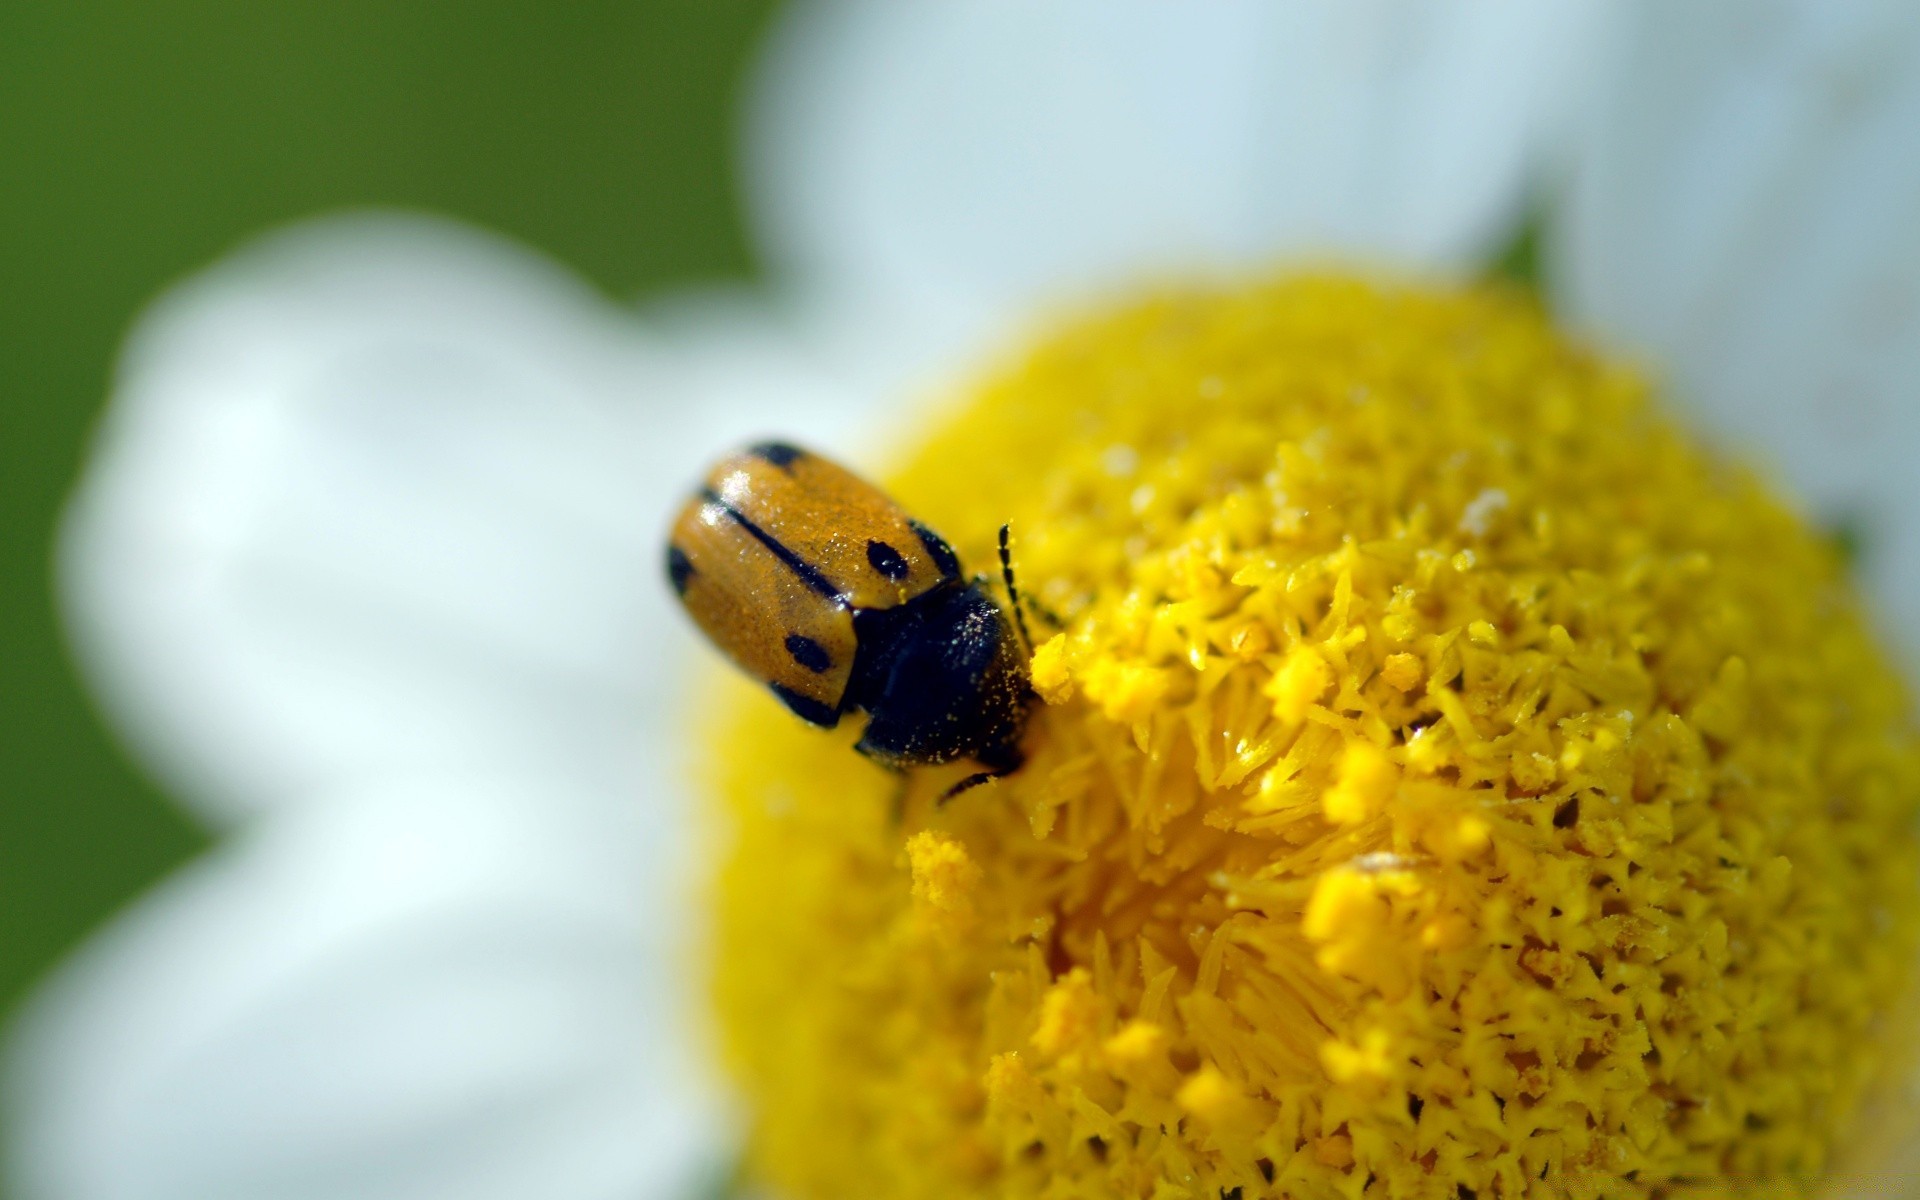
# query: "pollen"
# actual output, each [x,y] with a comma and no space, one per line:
[944,878]
[1366,784]
[1299,684]
[1448,780]
[1069,1016]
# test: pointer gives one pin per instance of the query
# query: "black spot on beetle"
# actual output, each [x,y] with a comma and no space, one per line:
[780,454]
[807,708]
[808,573]
[679,569]
[808,653]
[937,549]
[887,560]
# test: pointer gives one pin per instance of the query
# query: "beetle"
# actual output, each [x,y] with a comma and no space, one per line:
[815,582]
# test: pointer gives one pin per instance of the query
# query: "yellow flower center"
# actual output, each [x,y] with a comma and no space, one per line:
[1449,782]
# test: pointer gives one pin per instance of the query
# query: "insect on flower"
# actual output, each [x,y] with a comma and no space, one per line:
[814,581]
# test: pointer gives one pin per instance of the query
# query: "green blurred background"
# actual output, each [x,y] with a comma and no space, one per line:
[140,141]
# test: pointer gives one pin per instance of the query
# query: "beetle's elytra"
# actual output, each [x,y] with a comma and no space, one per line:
[812,580]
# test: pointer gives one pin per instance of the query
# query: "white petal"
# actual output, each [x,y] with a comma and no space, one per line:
[756,367]
[948,163]
[455,988]
[1746,213]
[384,493]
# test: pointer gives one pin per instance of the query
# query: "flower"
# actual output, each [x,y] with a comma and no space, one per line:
[1533,912]
[363,563]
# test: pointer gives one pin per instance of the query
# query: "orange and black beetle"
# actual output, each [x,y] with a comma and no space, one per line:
[813,580]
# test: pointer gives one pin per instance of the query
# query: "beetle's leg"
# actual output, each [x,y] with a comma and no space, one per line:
[968,784]
[898,807]
[999,762]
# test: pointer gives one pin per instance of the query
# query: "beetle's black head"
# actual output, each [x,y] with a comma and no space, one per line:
[941,678]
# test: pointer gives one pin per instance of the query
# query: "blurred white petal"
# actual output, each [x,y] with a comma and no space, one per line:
[938,167]
[386,493]
[1746,213]
[752,366]
[455,988]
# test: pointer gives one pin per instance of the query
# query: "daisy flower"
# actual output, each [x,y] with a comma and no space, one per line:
[365,562]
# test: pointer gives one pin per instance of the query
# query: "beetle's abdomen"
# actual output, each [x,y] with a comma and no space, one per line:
[773,621]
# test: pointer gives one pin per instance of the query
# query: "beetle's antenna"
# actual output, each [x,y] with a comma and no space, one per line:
[1013,590]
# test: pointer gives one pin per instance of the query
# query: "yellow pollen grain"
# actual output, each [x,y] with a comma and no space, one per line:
[944,875]
[1299,684]
[1069,1016]
[1052,678]
[1366,783]
[1210,1096]
[1402,671]
[1369,1065]
[1140,1042]
[944,879]
[1448,779]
